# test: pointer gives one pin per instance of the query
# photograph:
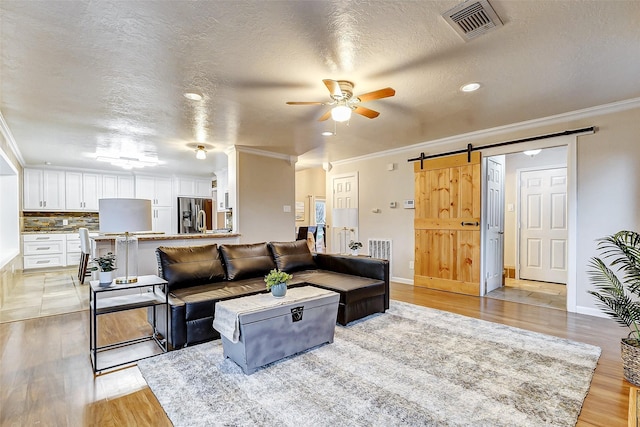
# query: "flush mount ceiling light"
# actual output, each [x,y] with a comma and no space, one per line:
[470,87]
[129,163]
[201,153]
[341,113]
[327,133]
[193,96]
[531,152]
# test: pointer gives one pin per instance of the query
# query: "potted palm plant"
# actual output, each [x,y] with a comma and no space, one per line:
[618,291]
[277,281]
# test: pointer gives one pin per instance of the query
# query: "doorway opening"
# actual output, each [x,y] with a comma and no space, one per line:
[526,235]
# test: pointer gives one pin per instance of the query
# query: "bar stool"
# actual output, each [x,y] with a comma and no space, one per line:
[85,254]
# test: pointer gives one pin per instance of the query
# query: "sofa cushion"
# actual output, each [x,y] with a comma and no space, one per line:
[187,266]
[292,256]
[247,260]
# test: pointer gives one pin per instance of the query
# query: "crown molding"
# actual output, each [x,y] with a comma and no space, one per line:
[586,113]
[8,136]
[286,157]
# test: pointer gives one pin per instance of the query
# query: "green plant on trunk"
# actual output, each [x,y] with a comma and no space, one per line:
[275,277]
[106,262]
[618,295]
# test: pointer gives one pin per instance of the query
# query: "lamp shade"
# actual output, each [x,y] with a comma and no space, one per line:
[345,217]
[124,215]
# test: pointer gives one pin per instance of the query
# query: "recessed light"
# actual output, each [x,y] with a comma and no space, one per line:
[470,87]
[327,133]
[193,96]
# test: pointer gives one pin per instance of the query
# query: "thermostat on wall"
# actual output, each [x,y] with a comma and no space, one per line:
[408,204]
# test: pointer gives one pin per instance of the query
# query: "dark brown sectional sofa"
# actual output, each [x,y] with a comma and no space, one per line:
[200,276]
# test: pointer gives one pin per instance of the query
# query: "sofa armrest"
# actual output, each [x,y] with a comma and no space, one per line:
[372,268]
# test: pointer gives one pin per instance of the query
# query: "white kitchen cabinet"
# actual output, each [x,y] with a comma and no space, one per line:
[82,191]
[156,189]
[43,250]
[126,187]
[192,187]
[161,219]
[43,190]
[117,186]
[203,187]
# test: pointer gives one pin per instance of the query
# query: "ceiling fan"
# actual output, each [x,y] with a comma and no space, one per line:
[341,92]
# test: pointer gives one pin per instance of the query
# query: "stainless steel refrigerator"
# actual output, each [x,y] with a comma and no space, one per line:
[188,209]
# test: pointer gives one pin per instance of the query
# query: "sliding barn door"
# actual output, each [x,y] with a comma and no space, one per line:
[447,224]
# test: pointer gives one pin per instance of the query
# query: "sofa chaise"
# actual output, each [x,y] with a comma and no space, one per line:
[200,276]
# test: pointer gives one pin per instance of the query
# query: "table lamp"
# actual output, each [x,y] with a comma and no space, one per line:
[124,217]
[347,219]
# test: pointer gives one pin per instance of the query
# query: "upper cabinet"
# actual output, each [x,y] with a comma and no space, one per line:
[82,191]
[118,186]
[193,187]
[156,189]
[44,190]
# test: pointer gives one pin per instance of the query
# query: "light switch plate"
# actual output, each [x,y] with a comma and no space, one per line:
[286,208]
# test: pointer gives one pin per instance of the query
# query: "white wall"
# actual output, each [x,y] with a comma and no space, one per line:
[608,184]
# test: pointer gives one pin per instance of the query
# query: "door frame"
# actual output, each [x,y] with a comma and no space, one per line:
[570,141]
[519,205]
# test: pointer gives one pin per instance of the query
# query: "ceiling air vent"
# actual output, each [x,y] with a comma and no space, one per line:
[472,18]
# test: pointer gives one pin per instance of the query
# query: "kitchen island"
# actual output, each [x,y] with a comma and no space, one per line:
[147,244]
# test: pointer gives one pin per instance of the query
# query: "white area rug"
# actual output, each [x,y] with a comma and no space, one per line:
[412,366]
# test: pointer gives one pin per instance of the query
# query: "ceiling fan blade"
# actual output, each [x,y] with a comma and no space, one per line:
[377,94]
[325,116]
[305,103]
[334,88]
[366,112]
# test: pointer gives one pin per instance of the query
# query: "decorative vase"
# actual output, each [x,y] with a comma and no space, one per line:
[630,360]
[105,277]
[354,252]
[279,290]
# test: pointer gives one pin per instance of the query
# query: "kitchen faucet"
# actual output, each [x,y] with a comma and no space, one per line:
[201,221]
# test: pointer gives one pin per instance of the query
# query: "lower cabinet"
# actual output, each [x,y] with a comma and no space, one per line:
[44,250]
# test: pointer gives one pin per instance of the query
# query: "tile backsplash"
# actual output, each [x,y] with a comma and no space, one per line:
[54,221]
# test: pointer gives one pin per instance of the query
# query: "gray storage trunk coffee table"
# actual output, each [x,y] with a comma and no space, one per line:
[260,329]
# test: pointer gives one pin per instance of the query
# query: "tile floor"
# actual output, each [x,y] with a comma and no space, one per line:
[543,294]
[40,294]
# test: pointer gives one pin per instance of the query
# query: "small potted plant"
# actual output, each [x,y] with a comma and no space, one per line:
[106,265]
[354,246]
[618,295]
[276,282]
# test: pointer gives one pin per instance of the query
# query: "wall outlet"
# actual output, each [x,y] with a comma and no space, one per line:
[65,222]
[411,265]
[286,208]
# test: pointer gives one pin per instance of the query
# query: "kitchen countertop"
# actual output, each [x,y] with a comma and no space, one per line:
[56,232]
[145,237]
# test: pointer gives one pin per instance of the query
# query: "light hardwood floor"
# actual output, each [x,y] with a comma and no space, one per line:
[46,376]
[544,294]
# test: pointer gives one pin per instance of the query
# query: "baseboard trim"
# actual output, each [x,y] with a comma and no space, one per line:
[402,280]
[591,312]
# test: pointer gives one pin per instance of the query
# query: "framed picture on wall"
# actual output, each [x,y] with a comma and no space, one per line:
[299,211]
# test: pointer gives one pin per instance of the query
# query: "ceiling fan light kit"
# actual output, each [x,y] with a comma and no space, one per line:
[341,93]
[341,113]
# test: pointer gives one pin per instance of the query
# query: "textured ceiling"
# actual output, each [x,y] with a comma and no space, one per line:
[85,77]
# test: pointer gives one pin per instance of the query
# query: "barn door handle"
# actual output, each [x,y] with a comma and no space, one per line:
[470,223]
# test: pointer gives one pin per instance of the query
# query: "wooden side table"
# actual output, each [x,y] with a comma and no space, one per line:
[114,298]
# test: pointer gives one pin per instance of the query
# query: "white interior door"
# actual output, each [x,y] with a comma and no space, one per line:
[494,237]
[543,225]
[345,195]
